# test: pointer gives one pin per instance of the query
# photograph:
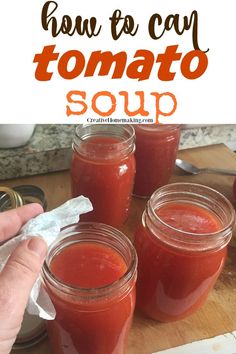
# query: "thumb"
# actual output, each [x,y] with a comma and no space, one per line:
[16,282]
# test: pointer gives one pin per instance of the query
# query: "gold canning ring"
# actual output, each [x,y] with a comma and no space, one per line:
[15,198]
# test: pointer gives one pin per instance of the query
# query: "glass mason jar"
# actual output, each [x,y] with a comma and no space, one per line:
[103,169]
[156,150]
[181,247]
[90,275]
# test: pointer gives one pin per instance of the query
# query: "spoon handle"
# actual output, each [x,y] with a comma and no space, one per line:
[219,171]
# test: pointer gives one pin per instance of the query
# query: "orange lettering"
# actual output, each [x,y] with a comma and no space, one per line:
[158,101]
[141,69]
[166,59]
[201,67]
[63,64]
[106,59]
[140,110]
[70,100]
[43,60]
[113,103]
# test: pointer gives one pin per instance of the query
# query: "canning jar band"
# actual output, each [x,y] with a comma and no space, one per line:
[11,198]
[14,197]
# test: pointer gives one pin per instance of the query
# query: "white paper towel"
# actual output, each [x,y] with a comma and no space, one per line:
[48,226]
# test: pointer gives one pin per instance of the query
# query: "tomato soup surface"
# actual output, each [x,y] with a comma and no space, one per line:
[88,265]
[173,282]
[189,218]
[104,173]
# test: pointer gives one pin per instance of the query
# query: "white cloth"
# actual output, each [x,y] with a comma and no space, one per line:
[48,226]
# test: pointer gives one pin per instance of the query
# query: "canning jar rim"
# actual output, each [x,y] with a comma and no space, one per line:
[129,139]
[88,292]
[107,151]
[148,127]
[210,235]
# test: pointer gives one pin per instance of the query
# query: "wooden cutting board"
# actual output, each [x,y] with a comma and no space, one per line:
[218,315]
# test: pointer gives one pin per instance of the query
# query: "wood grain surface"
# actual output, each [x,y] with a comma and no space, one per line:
[218,315]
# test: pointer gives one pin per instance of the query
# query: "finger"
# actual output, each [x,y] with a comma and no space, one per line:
[11,221]
[16,281]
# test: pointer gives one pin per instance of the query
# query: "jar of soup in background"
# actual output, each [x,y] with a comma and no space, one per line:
[181,247]
[103,169]
[90,275]
[156,150]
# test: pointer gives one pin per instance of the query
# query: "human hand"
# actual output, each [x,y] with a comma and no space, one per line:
[19,274]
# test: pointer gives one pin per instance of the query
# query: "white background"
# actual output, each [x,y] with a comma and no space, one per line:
[209,99]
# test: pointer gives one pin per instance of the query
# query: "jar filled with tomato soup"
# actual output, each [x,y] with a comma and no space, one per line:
[181,247]
[90,275]
[103,169]
[156,150]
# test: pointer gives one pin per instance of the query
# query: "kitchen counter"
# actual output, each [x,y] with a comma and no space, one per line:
[49,149]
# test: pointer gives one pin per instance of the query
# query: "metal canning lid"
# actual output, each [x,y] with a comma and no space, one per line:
[20,195]
[33,328]
[31,343]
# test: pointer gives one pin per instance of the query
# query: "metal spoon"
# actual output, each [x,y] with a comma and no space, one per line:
[189,168]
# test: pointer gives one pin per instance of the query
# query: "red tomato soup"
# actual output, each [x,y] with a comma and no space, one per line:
[181,246]
[156,150]
[189,218]
[102,169]
[94,291]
